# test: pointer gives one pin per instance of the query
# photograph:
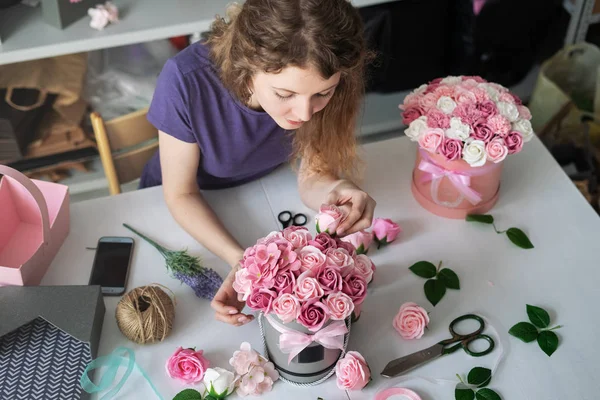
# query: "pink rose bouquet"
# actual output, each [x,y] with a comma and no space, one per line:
[447,115]
[187,365]
[303,279]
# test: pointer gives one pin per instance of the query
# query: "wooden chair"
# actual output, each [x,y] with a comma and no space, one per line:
[125,145]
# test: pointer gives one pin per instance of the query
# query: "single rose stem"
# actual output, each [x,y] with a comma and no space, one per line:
[556,327]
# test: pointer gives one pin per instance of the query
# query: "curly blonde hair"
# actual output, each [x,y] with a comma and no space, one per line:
[269,35]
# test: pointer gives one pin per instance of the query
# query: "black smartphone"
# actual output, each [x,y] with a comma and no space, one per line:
[111,264]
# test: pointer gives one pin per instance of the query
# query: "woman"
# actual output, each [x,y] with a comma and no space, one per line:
[280,80]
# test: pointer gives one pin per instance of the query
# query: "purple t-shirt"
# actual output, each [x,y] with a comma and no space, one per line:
[237,144]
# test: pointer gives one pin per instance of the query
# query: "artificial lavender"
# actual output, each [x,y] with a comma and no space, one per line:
[188,269]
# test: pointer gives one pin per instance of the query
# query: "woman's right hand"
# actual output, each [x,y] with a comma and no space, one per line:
[226,304]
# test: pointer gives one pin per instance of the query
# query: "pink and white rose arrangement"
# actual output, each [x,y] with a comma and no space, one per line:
[303,279]
[466,117]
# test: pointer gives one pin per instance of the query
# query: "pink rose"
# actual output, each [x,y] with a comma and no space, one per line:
[436,81]
[364,266]
[524,112]
[286,307]
[506,97]
[272,237]
[480,94]
[442,91]
[499,124]
[438,119]
[469,83]
[329,218]
[385,231]
[323,242]
[451,149]
[468,113]
[311,259]
[487,108]
[355,286]
[243,359]
[514,142]
[516,99]
[341,259]
[465,96]
[261,299]
[340,306]
[410,114]
[481,131]
[352,372]
[242,284]
[411,320]
[187,365]
[307,287]
[496,150]
[476,78]
[346,246]
[330,279]
[411,100]
[284,282]
[428,102]
[297,236]
[360,240]
[313,315]
[431,139]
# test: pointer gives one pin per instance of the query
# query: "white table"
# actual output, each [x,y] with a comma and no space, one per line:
[497,279]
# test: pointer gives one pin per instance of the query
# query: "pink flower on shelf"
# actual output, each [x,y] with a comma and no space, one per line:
[411,321]
[514,142]
[499,124]
[496,150]
[287,307]
[323,242]
[329,218]
[340,306]
[361,241]
[431,139]
[451,149]
[313,315]
[187,365]
[385,231]
[352,372]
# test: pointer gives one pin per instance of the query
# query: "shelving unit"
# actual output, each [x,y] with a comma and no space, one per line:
[582,16]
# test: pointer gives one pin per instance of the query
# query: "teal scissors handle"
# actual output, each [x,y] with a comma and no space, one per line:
[465,340]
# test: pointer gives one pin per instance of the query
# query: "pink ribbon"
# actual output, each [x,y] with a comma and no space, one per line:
[386,394]
[460,179]
[293,342]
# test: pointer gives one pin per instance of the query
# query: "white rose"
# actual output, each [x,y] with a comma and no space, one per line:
[493,93]
[524,127]
[219,382]
[416,128]
[508,110]
[451,80]
[421,89]
[474,153]
[446,104]
[458,130]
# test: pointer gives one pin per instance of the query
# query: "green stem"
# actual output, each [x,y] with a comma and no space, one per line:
[460,379]
[439,267]
[496,229]
[157,246]
[555,328]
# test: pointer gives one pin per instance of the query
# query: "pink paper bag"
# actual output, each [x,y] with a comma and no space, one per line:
[34,222]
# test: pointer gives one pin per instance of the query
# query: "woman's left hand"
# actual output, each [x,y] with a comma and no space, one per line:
[357,204]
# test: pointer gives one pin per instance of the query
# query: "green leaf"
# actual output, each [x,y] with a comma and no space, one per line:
[188,394]
[479,376]
[548,342]
[424,269]
[519,238]
[449,278]
[538,316]
[434,291]
[483,218]
[317,227]
[487,394]
[462,392]
[525,331]
[209,397]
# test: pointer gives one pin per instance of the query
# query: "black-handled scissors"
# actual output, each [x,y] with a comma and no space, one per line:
[287,218]
[411,361]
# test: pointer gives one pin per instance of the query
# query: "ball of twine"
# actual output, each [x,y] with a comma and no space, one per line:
[145,314]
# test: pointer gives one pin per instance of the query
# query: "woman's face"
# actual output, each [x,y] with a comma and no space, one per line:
[292,96]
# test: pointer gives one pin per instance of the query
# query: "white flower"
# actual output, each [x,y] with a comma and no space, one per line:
[493,93]
[446,104]
[416,128]
[474,153]
[458,130]
[524,127]
[508,110]
[451,80]
[219,382]
[421,89]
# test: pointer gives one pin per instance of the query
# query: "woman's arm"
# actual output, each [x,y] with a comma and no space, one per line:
[179,162]
[316,189]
